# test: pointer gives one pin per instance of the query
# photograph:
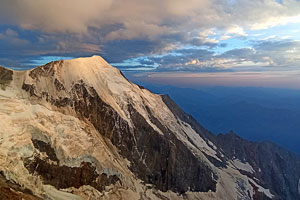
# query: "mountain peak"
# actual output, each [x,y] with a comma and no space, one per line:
[83,117]
[77,65]
[94,58]
[92,70]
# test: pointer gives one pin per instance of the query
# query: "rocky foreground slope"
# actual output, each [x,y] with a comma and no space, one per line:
[78,129]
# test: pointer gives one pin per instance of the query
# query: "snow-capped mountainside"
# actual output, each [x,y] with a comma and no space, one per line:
[78,129]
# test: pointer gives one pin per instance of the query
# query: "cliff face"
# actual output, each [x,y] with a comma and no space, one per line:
[79,129]
[275,167]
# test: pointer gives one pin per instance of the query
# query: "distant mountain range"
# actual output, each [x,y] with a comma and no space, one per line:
[78,129]
[257,114]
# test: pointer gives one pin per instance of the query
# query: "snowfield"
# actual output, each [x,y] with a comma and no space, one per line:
[25,118]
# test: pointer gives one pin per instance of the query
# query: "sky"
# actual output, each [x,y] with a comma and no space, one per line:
[190,42]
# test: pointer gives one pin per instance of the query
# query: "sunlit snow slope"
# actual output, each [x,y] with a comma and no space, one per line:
[78,129]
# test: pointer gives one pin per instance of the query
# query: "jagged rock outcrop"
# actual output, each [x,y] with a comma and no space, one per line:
[275,167]
[11,190]
[164,156]
[5,77]
[79,129]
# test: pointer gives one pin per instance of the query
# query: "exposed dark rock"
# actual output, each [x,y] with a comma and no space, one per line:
[59,86]
[165,157]
[124,76]
[6,76]
[215,162]
[12,191]
[29,88]
[156,159]
[45,147]
[205,134]
[45,70]
[141,87]
[64,176]
[257,194]
[278,168]
[179,113]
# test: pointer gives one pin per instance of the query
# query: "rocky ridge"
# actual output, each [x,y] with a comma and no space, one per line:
[78,129]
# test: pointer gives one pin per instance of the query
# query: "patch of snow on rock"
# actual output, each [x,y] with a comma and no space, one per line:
[262,190]
[243,166]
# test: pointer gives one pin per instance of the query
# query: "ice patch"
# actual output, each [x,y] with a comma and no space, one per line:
[243,166]
[212,145]
[197,140]
[53,193]
[262,190]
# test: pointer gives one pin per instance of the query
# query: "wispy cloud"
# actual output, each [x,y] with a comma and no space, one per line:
[262,55]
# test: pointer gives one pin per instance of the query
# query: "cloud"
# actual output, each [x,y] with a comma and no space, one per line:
[121,30]
[143,18]
[275,21]
[269,37]
[225,37]
[138,17]
[54,15]
[262,56]
[276,79]
[236,30]
[18,48]
[280,53]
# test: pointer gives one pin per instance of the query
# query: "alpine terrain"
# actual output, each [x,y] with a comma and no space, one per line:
[78,129]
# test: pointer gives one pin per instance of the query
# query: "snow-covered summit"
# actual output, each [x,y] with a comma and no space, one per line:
[94,72]
[78,129]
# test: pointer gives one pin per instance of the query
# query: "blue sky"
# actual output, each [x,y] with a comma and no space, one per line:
[159,38]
